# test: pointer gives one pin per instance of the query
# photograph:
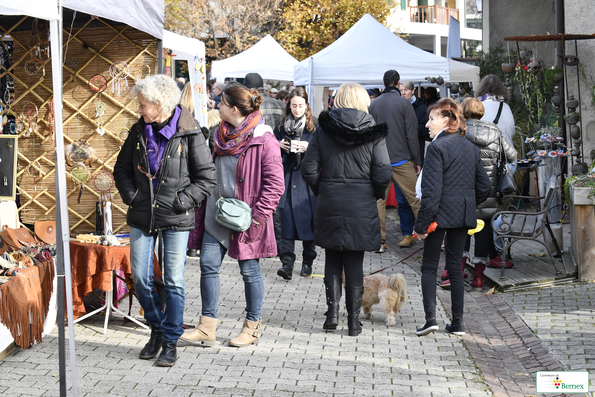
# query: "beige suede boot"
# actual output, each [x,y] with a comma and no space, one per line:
[248,336]
[204,334]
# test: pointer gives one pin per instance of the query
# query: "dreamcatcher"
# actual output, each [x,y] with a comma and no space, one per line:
[79,151]
[97,84]
[50,116]
[145,71]
[27,122]
[34,169]
[119,71]
[80,175]
[123,134]
[104,181]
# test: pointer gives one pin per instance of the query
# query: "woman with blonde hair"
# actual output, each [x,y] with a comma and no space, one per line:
[453,183]
[249,168]
[348,168]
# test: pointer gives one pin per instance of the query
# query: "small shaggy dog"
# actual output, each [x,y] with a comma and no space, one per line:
[390,292]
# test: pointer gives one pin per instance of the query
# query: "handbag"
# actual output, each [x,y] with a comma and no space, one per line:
[233,213]
[506,184]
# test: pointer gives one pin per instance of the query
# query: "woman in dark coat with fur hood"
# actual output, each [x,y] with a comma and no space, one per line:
[348,168]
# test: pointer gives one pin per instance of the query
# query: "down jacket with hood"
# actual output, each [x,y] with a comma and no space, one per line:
[186,178]
[348,168]
[488,137]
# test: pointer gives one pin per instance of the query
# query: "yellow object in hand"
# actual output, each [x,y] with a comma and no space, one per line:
[480,225]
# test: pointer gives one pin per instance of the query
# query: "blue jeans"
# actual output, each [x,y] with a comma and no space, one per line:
[142,246]
[405,213]
[211,256]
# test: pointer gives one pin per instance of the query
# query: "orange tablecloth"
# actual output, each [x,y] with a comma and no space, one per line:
[91,267]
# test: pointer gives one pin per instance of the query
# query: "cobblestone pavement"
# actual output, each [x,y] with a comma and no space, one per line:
[510,337]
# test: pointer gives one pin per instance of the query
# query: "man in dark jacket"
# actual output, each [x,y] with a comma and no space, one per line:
[403,147]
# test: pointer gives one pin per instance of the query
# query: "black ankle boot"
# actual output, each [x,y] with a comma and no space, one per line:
[306,269]
[168,355]
[286,272]
[153,345]
[333,297]
[353,301]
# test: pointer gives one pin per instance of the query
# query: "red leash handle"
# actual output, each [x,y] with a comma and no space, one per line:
[431,228]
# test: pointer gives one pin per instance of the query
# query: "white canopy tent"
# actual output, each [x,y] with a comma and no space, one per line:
[266,58]
[151,21]
[369,49]
[193,51]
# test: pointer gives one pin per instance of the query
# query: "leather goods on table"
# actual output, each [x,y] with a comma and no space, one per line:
[17,238]
[46,231]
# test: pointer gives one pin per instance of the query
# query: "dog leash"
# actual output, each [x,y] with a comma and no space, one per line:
[404,259]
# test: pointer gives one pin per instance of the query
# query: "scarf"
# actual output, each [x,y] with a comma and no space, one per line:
[156,137]
[230,141]
[294,128]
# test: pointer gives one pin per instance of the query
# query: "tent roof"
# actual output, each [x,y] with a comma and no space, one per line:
[144,15]
[35,8]
[184,44]
[364,53]
[266,58]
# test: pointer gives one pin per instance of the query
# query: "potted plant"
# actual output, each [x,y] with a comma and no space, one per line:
[572,118]
[580,189]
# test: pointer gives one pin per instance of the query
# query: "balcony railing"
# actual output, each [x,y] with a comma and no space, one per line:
[433,14]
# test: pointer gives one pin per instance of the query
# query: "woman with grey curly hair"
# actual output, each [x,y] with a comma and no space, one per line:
[163,172]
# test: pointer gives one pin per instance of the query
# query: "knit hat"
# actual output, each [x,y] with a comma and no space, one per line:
[253,80]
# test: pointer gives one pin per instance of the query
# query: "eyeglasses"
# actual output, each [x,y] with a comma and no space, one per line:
[147,173]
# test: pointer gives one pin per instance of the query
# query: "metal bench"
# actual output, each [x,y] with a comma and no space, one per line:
[518,225]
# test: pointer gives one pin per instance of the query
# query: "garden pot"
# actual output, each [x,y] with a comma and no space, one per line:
[439,80]
[575,132]
[571,103]
[557,78]
[579,169]
[572,118]
[508,67]
[556,100]
[580,195]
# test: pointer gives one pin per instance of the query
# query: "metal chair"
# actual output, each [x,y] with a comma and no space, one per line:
[518,225]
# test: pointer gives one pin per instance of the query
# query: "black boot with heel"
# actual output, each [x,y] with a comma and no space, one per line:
[333,297]
[353,301]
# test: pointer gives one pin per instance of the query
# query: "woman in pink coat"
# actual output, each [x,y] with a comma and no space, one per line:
[249,168]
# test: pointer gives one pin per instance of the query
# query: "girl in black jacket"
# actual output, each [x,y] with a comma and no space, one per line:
[348,168]
[453,183]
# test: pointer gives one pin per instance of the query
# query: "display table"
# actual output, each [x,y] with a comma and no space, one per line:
[28,306]
[92,267]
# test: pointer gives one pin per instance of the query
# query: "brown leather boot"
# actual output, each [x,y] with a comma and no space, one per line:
[204,334]
[248,336]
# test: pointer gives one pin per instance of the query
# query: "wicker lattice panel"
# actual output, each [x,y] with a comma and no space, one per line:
[89,51]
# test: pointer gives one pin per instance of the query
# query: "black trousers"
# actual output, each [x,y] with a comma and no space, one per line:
[484,242]
[352,262]
[454,254]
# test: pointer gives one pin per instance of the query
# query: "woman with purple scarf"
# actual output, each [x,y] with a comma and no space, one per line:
[249,168]
[163,172]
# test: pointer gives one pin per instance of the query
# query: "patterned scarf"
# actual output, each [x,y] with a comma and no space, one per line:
[230,141]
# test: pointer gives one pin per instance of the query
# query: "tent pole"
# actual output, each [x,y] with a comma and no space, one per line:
[160,57]
[62,224]
[310,86]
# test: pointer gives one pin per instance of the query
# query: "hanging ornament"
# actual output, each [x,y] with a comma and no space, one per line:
[119,71]
[99,128]
[97,83]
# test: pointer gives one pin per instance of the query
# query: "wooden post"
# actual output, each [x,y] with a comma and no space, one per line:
[582,233]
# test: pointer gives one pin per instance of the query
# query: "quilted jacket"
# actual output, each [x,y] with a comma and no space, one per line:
[487,136]
[186,178]
[454,182]
[348,168]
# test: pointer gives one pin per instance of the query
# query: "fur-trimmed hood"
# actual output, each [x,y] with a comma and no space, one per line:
[351,127]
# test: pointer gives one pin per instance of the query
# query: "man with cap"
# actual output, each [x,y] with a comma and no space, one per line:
[271,109]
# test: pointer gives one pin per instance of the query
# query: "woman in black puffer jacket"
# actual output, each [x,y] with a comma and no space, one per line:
[490,141]
[348,168]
